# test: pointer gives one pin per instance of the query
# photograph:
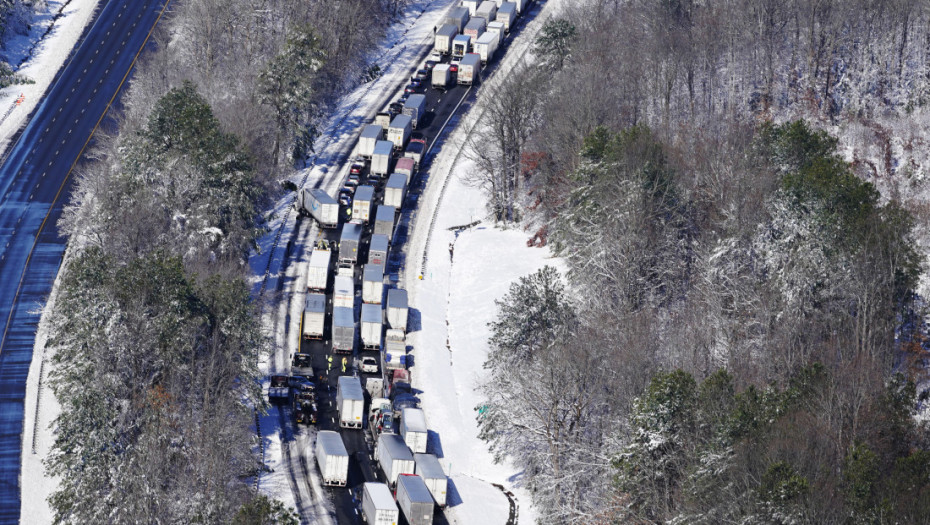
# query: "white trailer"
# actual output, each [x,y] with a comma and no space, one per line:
[521,5]
[318,204]
[444,36]
[363,203]
[507,14]
[471,5]
[414,500]
[378,250]
[384,221]
[373,283]
[475,28]
[314,316]
[487,10]
[442,77]
[395,348]
[343,330]
[378,506]
[407,167]
[460,46]
[395,190]
[415,107]
[469,69]
[318,270]
[371,326]
[394,457]
[399,132]
[333,458]
[383,119]
[413,429]
[371,134]
[349,241]
[498,29]
[344,292]
[396,311]
[486,46]
[381,157]
[457,18]
[415,150]
[428,468]
[350,399]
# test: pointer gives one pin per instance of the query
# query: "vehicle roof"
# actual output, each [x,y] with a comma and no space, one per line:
[379,241]
[371,313]
[372,131]
[384,147]
[373,272]
[380,495]
[385,213]
[332,443]
[395,446]
[316,302]
[397,298]
[401,121]
[350,387]
[343,316]
[428,466]
[416,488]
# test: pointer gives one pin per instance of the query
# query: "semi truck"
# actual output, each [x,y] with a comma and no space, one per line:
[333,458]
[457,18]
[407,167]
[475,28]
[349,242]
[373,283]
[399,132]
[394,458]
[350,399]
[460,46]
[316,203]
[395,190]
[344,292]
[486,46]
[318,270]
[444,36]
[395,348]
[314,316]
[414,500]
[442,76]
[381,157]
[343,330]
[507,13]
[471,5]
[498,29]
[469,69]
[384,221]
[378,249]
[428,468]
[487,10]
[396,311]
[415,107]
[371,134]
[383,119]
[415,150]
[363,204]
[371,326]
[413,429]
[378,506]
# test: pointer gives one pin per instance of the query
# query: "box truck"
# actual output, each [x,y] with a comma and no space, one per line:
[507,13]
[349,242]
[396,311]
[407,167]
[373,283]
[399,132]
[395,190]
[415,107]
[384,221]
[487,10]
[469,69]
[350,399]
[363,204]
[318,270]
[475,28]
[343,325]
[333,458]
[460,46]
[428,468]
[442,77]
[471,5]
[381,158]
[318,204]
[394,457]
[344,292]
[498,29]
[413,429]
[371,134]
[371,326]
[414,500]
[378,506]
[486,46]
[444,36]
[457,18]
[378,250]
[314,316]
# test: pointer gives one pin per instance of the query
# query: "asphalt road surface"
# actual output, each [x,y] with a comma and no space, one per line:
[35,182]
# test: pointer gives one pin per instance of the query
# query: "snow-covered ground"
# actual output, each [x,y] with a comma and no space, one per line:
[42,52]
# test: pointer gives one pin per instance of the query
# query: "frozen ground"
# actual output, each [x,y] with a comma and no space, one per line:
[41,52]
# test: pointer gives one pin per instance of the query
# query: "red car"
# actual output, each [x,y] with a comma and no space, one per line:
[356,169]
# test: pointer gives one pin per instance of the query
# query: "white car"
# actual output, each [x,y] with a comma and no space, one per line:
[369,365]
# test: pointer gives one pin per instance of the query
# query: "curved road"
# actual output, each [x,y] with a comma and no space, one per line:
[35,181]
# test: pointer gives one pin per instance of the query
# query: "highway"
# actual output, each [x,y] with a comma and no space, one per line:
[35,183]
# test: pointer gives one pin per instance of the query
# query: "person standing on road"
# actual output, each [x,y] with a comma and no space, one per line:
[343,365]
[329,360]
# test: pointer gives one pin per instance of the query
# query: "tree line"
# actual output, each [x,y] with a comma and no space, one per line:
[156,339]
[738,336]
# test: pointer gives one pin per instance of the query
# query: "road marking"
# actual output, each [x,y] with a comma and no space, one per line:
[64,181]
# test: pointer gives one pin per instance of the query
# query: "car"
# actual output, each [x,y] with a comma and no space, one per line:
[352,180]
[422,74]
[345,197]
[411,89]
[357,169]
[430,64]
[435,56]
[416,81]
[369,365]
[397,107]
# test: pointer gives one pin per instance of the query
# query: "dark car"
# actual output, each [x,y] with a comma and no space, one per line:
[345,197]
[397,107]
[352,180]
[422,74]
[416,81]
[356,169]
[430,64]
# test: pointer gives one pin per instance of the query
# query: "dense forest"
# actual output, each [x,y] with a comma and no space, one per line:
[155,336]
[737,189]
